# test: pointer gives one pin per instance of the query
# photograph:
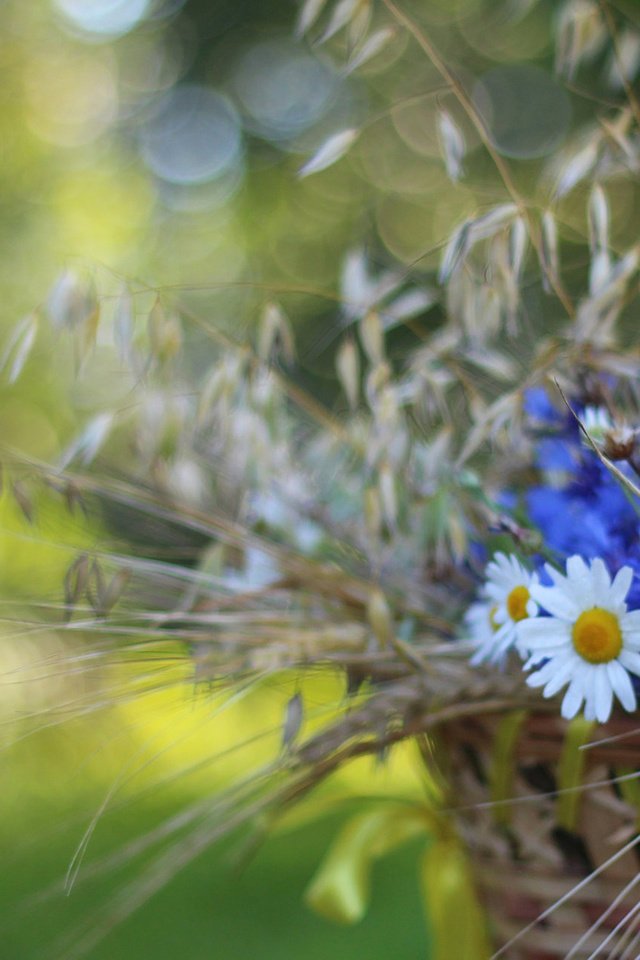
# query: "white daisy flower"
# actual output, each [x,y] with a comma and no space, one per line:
[590,641]
[617,440]
[597,423]
[506,600]
[481,628]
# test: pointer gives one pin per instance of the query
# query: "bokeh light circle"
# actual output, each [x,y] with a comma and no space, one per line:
[526,111]
[71,100]
[108,17]
[194,136]
[282,89]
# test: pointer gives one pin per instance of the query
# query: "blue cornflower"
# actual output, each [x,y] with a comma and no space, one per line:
[579,507]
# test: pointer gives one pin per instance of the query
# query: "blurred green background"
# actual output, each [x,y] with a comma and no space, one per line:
[137,764]
[157,142]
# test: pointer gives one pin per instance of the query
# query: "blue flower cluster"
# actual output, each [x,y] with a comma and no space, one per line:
[574,621]
[580,507]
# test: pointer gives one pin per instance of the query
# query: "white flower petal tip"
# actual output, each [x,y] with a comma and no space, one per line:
[589,640]
[507,600]
[597,422]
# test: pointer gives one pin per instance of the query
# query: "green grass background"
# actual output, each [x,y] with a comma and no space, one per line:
[210,910]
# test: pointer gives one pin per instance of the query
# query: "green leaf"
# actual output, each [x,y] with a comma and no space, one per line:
[571,772]
[501,774]
[454,914]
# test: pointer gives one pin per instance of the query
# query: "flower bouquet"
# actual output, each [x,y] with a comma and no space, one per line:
[568,617]
[449,530]
[487,614]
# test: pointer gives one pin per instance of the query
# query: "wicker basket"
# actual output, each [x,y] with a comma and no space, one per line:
[564,822]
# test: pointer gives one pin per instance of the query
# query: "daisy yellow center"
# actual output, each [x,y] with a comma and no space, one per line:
[596,636]
[517,603]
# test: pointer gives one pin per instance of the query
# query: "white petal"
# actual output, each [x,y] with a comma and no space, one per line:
[631,660]
[506,641]
[621,585]
[482,653]
[600,577]
[539,678]
[621,684]
[540,632]
[496,591]
[603,693]
[493,647]
[500,614]
[533,660]
[556,602]
[577,568]
[581,586]
[495,574]
[588,677]
[504,573]
[532,608]
[503,630]
[557,578]
[539,656]
[500,586]
[572,699]
[562,673]
[543,675]
[630,621]
[499,566]
[477,617]
[588,680]
[631,641]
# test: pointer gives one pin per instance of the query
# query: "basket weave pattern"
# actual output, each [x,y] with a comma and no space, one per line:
[526,859]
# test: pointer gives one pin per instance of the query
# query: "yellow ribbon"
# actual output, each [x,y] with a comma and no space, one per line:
[455,917]
[340,889]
